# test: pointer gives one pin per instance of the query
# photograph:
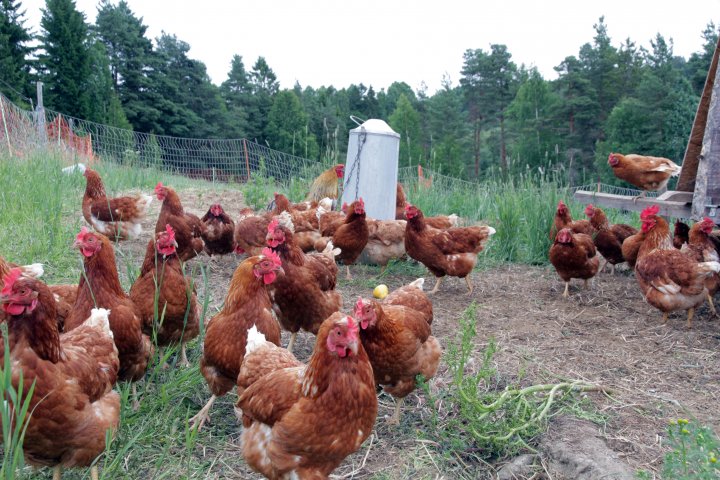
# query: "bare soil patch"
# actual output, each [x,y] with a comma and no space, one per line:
[606,335]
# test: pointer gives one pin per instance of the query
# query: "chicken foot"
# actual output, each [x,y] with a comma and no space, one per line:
[347,270]
[291,343]
[437,286]
[665,317]
[395,419]
[203,415]
[691,314]
[566,293]
[57,472]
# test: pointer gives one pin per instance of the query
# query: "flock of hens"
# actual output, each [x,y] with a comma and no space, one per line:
[75,341]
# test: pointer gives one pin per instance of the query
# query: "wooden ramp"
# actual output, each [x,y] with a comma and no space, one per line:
[698,188]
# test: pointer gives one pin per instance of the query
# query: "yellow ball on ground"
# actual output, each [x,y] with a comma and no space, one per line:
[381,291]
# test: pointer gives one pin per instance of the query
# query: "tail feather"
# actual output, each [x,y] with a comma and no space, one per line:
[100,317]
[710,267]
[255,339]
[34,270]
[454,219]
[419,283]
[143,203]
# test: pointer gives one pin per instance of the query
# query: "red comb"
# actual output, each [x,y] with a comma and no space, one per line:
[170,232]
[273,225]
[158,186]
[359,306]
[353,327]
[10,279]
[274,257]
[83,233]
[649,212]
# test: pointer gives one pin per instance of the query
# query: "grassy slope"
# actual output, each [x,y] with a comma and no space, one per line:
[40,215]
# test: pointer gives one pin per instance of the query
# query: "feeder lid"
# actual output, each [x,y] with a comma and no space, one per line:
[376,126]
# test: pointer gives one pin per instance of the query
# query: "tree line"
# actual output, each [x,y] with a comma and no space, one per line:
[501,119]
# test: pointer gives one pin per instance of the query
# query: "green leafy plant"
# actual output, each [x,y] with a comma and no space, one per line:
[485,417]
[14,410]
[695,452]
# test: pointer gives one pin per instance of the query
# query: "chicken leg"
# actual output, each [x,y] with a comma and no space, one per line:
[203,415]
[691,314]
[712,304]
[347,270]
[291,343]
[437,286]
[57,472]
[94,474]
[566,293]
[136,402]
[183,356]
[395,419]
[612,269]
[586,285]
[642,195]
[469,285]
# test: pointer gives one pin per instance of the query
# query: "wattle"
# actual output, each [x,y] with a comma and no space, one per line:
[87,252]
[341,351]
[269,278]
[273,243]
[14,308]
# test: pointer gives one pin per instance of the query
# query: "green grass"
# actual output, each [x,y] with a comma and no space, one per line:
[40,216]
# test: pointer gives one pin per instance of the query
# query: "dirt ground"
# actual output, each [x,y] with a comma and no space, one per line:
[605,335]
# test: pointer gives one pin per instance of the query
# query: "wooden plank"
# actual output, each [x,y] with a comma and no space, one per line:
[707,183]
[675,196]
[686,183]
[668,208]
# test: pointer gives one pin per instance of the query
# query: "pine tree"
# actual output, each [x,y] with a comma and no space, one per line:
[447,129]
[131,55]
[14,51]
[236,93]
[264,86]
[65,61]
[287,128]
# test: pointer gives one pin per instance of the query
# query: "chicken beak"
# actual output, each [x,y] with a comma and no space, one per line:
[353,346]
[280,270]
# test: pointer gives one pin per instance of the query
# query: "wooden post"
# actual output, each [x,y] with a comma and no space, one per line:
[5,126]
[707,181]
[689,173]
[40,114]
[247,162]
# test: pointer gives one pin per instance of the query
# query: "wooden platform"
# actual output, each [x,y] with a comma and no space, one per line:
[672,203]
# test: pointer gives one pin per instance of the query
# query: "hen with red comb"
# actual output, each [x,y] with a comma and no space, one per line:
[303,421]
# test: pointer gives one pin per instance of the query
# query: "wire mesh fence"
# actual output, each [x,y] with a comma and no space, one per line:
[77,140]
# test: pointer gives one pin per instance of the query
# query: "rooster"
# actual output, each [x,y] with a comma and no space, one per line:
[188,227]
[73,406]
[444,252]
[397,339]
[302,421]
[649,174]
[669,279]
[326,184]
[574,256]
[119,218]
[247,303]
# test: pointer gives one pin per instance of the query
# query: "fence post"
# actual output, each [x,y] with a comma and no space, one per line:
[247,162]
[5,126]
[40,115]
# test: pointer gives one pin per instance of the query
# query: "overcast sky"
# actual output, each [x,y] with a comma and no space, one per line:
[338,43]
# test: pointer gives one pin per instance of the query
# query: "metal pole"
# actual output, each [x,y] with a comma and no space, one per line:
[7,133]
